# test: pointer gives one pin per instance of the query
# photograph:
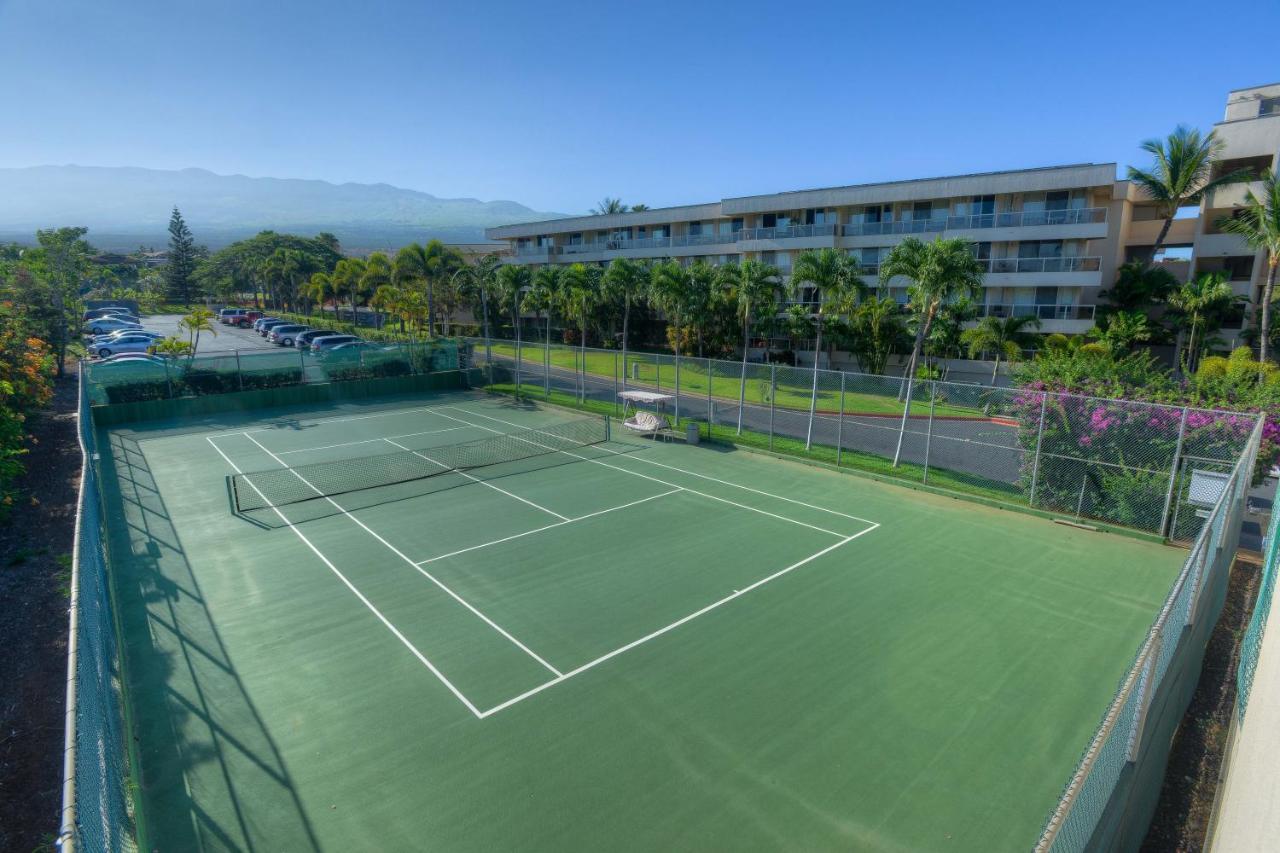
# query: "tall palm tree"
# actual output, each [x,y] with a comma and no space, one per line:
[1197,299]
[626,280]
[543,298]
[478,284]
[346,276]
[754,287]
[318,288]
[877,326]
[579,293]
[670,291]
[1258,222]
[838,282]
[428,266]
[199,320]
[1182,173]
[941,271]
[1005,337]
[513,280]
[377,273]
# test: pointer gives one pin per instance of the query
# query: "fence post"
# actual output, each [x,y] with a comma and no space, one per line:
[302,363]
[239,374]
[928,436]
[773,392]
[742,393]
[1173,474]
[710,403]
[840,422]
[615,382]
[1035,465]
[546,367]
[813,405]
[902,428]
[519,354]
[677,391]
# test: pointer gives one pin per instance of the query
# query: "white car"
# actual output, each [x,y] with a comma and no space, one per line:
[109,324]
[135,357]
[124,343]
[113,335]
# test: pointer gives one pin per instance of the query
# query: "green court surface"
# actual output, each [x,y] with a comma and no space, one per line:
[627,645]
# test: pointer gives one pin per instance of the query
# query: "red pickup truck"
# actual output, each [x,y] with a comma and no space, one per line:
[246,319]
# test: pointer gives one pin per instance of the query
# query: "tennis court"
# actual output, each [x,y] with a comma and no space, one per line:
[571,638]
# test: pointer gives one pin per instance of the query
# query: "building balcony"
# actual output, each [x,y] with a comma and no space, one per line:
[1043,312]
[1009,219]
[532,252]
[1234,195]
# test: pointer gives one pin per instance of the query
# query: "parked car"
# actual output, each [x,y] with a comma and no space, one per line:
[135,357]
[247,319]
[304,339]
[110,324]
[285,334]
[261,321]
[322,346]
[107,311]
[266,327]
[124,343]
[227,316]
[109,336]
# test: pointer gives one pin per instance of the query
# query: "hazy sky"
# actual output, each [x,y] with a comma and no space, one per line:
[557,104]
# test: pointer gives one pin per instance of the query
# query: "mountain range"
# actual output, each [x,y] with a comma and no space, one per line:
[125,207]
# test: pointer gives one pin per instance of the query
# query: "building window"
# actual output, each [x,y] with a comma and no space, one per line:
[769,220]
[1269,107]
[1057,200]
[695,229]
[575,239]
[736,225]
[921,210]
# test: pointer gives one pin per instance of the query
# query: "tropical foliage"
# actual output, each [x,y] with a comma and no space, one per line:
[1258,222]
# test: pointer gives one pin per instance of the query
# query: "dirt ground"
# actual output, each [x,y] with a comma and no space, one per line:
[35,571]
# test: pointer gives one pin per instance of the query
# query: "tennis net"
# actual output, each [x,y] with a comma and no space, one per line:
[278,487]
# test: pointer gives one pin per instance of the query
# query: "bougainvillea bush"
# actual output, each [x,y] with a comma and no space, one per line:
[1111,428]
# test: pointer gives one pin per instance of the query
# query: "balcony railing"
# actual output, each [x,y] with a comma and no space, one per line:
[1044,312]
[526,251]
[1071,263]
[1010,219]
[788,232]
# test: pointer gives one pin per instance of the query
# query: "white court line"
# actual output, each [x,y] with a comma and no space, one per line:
[737,593]
[494,625]
[642,476]
[421,455]
[548,527]
[363,440]
[683,471]
[385,621]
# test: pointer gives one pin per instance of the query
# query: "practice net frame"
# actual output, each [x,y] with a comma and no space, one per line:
[277,487]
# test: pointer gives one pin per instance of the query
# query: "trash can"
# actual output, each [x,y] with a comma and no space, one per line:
[692,432]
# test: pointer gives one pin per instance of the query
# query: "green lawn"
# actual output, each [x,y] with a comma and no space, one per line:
[793,391]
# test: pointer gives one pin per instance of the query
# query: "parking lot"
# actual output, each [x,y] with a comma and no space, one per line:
[227,339]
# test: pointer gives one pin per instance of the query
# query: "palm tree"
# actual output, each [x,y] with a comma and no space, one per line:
[1004,337]
[837,281]
[377,273]
[199,320]
[627,280]
[1258,222]
[479,282]
[637,208]
[1196,299]
[390,298]
[428,265]
[543,297]
[670,291]
[877,326]
[1139,287]
[580,292]
[754,288]
[346,276]
[318,288]
[512,281]
[1183,172]
[941,271]
[609,205]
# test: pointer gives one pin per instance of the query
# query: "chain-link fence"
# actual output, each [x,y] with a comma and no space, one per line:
[97,812]
[1145,466]
[1119,739]
[134,380]
[1251,644]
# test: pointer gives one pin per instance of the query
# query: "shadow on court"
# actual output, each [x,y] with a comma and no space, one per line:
[189,708]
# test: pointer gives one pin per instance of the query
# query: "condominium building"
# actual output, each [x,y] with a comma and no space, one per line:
[1048,238]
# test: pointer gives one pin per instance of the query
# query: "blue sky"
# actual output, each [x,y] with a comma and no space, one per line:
[558,104]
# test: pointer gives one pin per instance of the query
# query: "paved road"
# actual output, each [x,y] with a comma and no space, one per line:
[982,449]
[228,338]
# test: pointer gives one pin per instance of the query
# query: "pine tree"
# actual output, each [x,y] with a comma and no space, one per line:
[182,259]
